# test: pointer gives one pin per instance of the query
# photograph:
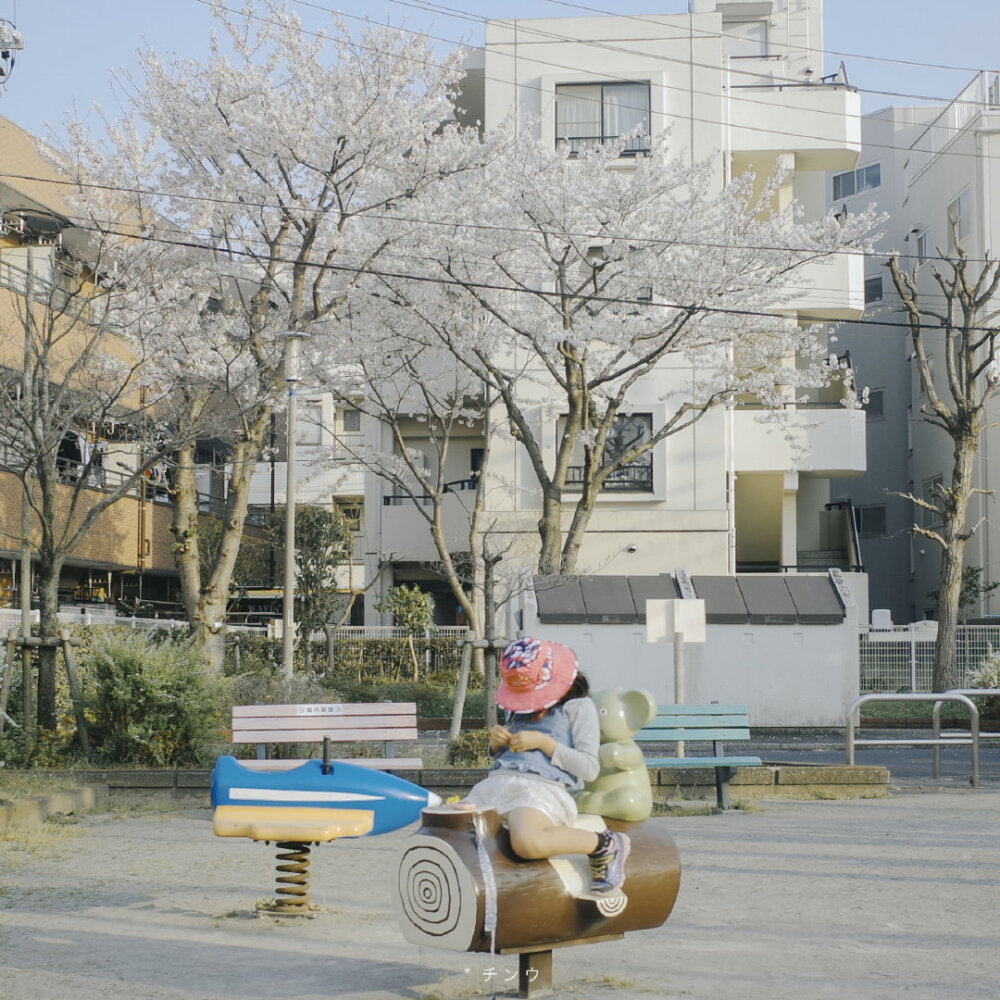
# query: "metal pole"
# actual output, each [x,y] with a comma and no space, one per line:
[27,403]
[288,596]
[679,677]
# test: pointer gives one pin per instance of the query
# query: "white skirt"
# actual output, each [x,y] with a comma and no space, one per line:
[506,790]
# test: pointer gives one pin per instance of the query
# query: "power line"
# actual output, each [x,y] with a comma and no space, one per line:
[620,79]
[537,293]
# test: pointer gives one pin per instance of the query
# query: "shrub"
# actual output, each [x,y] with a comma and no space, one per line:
[987,675]
[470,749]
[152,702]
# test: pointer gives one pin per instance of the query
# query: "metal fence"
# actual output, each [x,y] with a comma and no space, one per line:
[901,658]
[10,618]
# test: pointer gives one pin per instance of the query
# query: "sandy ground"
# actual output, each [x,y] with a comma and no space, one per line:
[792,901]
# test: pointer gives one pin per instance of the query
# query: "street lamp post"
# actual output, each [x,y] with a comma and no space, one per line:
[288,595]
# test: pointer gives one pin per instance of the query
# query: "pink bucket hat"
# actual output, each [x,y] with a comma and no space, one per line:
[534,674]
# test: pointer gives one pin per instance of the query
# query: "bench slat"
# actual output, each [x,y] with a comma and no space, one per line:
[328,724]
[316,735]
[702,710]
[376,763]
[696,722]
[667,735]
[378,709]
[703,762]
[351,724]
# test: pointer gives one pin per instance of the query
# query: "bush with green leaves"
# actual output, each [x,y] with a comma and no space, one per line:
[470,749]
[987,676]
[152,702]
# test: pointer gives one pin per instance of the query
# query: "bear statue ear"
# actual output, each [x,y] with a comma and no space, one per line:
[640,708]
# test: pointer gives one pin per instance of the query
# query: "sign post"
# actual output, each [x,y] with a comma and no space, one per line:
[676,621]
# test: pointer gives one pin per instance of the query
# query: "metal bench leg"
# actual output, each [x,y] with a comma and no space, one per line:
[722,776]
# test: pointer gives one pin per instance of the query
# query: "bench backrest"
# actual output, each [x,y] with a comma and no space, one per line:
[696,722]
[346,723]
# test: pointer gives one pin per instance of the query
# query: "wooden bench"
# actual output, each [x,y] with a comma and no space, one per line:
[701,723]
[383,722]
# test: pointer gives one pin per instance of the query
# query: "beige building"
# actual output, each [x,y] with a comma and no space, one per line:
[740,82]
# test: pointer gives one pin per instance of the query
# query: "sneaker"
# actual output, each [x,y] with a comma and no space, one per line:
[608,866]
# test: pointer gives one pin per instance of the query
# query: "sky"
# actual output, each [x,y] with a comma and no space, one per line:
[895,51]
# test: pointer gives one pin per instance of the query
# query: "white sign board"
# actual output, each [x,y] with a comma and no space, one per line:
[666,619]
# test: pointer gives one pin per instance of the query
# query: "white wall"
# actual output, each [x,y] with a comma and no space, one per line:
[796,675]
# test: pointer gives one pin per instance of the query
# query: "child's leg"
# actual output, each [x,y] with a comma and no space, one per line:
[533,835]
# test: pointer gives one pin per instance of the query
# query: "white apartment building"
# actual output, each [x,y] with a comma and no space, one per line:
[739,81]
[928,168]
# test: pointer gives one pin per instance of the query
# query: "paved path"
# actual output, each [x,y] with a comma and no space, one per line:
[866,899]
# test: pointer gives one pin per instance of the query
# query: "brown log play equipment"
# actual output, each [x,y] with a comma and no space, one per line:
[461,887]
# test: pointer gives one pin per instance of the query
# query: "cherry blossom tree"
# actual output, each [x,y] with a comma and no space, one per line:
[81,423]
[594,278]
[274,169]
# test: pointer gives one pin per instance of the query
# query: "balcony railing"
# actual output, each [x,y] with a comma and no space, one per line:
[981,95]
[631,478]
[577,144]
[455,486]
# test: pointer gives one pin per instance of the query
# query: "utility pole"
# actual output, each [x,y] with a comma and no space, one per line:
[27,402]
[288,595]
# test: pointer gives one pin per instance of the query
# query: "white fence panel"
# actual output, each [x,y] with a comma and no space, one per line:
[901,658]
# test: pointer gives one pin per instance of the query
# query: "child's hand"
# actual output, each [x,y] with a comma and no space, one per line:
[531,739]
[499,737]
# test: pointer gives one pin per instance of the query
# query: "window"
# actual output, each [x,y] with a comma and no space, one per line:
[627,431]
[309,423]
[350,511]
[856,181]
[352,421]
[871,520]
[588,114]
[875,407]
[958,218]
[745,39]
[873,289]
[921,247]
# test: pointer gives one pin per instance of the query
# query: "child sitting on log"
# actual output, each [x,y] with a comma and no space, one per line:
[543,752]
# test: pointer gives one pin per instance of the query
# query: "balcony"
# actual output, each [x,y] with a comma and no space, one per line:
[829,289]
[406,533]
[822,441]
[819,123]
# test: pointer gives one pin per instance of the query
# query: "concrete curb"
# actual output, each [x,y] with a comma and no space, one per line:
[772,781]
[38,808]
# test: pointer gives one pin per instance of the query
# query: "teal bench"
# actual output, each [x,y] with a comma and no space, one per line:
[701,723]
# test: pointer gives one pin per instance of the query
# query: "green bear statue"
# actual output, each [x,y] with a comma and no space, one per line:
[621,790]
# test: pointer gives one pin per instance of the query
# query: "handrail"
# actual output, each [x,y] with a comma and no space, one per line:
[936,718]
[937,741]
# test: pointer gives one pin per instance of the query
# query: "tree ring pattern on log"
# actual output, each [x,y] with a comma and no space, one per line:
[436,895]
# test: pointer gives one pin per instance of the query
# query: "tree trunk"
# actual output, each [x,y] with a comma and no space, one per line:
[48,622]
[205,592]
[490,656]
[550,533]
[953,537]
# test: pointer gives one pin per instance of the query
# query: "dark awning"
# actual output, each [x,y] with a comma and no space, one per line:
[748,598]
[724,603]
[608,599]
[816,600]
[560,600]
[651,588]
